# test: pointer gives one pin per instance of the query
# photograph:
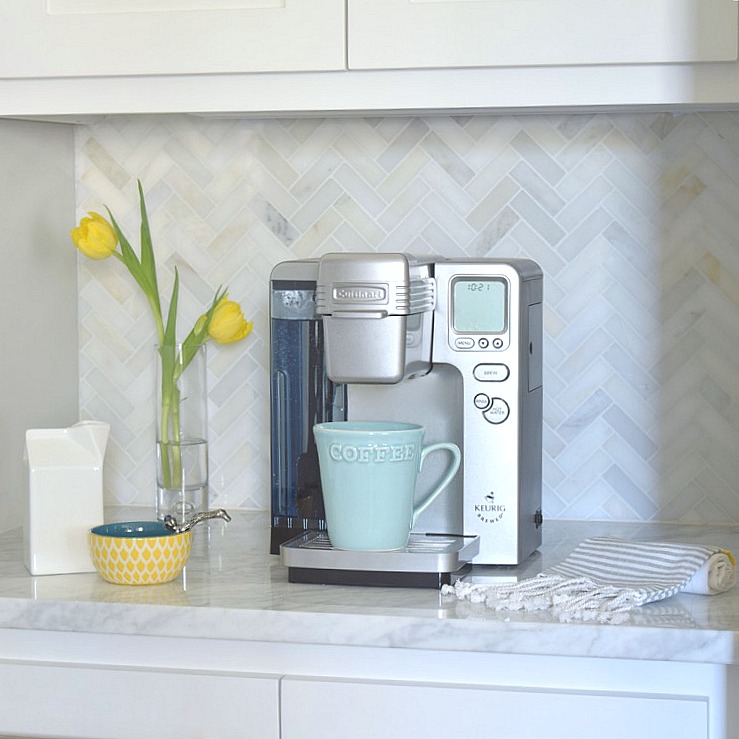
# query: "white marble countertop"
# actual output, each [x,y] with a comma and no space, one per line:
[233,589]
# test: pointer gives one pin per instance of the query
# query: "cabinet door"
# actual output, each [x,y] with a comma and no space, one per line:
[81,38]
[386,34]
[127,703]
[333,709]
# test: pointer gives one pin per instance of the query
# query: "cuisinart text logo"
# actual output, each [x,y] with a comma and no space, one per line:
[489,511]
[359,294]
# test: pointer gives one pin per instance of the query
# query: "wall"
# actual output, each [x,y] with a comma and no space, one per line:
[633,218]
[38,295]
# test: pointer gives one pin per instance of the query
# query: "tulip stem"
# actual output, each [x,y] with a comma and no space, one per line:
[164,448]
[173,362]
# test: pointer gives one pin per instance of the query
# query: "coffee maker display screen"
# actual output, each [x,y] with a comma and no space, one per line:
[479,305]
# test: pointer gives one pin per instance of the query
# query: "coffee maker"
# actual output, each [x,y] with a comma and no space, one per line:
[452,344]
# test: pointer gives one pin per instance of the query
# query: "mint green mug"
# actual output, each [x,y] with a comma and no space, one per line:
[368,475]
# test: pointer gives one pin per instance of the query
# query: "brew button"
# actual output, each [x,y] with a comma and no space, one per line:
[483,343]
[498,411]
[464,342]
[481,401]
[491,372]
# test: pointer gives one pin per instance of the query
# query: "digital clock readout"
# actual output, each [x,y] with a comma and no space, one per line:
[479,305]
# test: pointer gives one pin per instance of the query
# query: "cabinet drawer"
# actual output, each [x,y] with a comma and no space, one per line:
[102,702]
[332,709]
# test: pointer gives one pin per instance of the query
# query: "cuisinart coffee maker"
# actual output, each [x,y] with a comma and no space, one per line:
[452,344]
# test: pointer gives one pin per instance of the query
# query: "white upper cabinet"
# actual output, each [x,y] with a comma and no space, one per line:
[93,38]
[287,57]
[407,34]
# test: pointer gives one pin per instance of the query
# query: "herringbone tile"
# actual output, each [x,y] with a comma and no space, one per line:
[633,218]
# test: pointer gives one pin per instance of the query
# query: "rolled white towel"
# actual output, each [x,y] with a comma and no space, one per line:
[716,575]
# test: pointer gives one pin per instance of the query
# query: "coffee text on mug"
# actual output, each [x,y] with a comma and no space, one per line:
[372,452]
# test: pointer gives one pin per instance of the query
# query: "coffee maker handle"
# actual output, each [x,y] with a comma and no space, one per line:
[445,480]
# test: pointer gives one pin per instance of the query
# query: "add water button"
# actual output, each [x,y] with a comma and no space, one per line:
[491,372]
[498,411]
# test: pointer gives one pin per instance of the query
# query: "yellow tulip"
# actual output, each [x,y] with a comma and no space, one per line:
[228,323]
[95,237]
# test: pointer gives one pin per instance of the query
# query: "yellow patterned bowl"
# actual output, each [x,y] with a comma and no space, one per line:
[138,552]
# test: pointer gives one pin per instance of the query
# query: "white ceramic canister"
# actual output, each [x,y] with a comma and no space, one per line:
[64,476]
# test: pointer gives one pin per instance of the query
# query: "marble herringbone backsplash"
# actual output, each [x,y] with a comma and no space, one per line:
[633,218]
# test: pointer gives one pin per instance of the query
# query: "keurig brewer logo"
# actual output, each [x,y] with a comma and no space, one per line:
[490,511]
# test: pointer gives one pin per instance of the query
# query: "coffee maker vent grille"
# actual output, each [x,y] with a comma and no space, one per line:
[422,295]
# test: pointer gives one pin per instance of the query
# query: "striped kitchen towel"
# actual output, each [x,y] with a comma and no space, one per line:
[604,578]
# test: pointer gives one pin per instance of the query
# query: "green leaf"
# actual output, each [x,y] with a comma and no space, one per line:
[199,332]
[170,329]
[221,293]
[148,262]
[129,256]
[132,263]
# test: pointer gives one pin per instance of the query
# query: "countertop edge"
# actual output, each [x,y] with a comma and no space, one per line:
[503,636]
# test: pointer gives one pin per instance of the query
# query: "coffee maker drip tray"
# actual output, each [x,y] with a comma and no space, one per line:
[428,561]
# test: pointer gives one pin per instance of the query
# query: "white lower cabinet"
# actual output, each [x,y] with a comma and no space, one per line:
[331,709]
[100,702]
[66,684]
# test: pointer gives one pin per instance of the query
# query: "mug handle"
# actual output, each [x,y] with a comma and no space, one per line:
[445,480]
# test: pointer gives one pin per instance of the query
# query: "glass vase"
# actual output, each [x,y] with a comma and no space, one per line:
[182,430]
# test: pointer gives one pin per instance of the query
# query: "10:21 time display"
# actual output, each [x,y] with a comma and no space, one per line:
[479,305]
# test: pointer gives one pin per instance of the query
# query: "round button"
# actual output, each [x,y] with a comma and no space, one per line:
[497,412]
[482,401]
[497,343]
[483,343]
